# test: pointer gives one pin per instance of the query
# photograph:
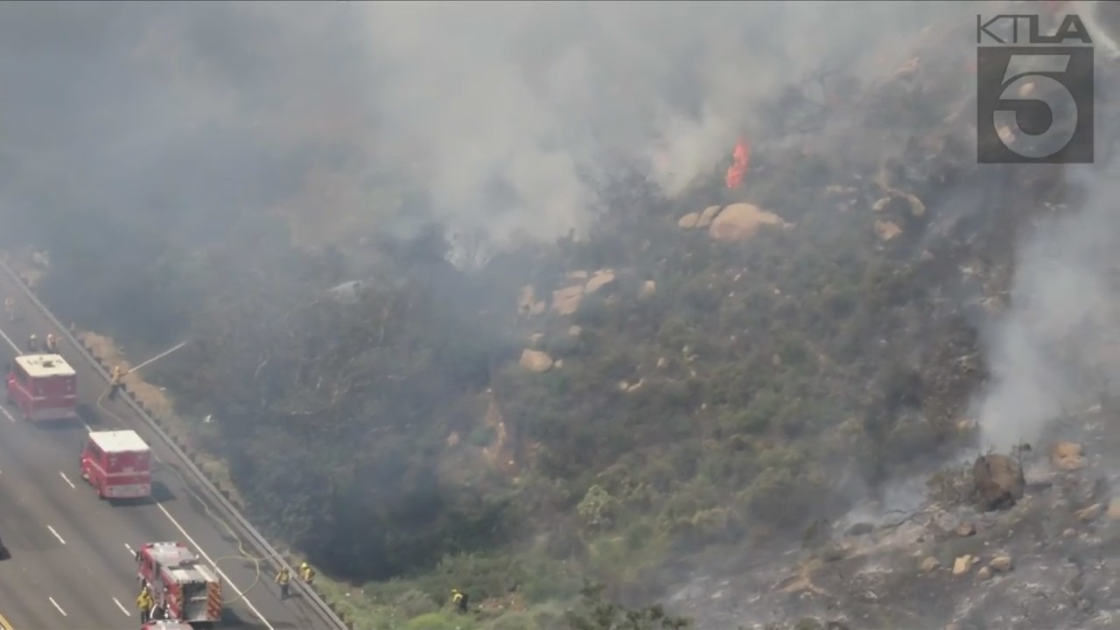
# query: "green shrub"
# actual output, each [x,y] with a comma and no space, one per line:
[413,603]
[482,436]
[515,620]
[440,621]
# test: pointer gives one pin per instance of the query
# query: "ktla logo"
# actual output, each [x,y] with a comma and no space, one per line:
[1034,92]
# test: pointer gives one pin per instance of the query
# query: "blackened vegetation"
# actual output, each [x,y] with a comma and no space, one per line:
[598,614]
[786,360]
[998,480]
[359,419]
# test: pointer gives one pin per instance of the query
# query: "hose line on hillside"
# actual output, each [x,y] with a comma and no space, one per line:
[243,554]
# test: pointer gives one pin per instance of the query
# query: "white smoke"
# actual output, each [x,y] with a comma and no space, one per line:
[532,95]
[1050,352]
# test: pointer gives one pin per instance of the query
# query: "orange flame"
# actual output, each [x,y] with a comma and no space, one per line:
[740,160]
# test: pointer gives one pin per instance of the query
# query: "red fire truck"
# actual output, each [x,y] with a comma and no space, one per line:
[117,464]
[43,387]
[182,588]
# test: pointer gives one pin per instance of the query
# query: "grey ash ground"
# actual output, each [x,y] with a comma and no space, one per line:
[1052,560]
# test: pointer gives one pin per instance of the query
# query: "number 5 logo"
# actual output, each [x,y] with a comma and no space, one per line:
[1023,73]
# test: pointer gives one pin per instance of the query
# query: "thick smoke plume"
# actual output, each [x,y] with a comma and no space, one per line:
[1050,353]
[498,113]
[526,99]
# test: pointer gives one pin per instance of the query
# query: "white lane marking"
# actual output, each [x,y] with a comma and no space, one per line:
[121,606]
[67,479]
[56,535]
[179,527]
[225,577]
[59,608]
[130,551]
[10,342]
[6,414]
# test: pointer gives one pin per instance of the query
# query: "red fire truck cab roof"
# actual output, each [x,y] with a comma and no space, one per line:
[164,624]
[170,555]
[123,441]
[177,562]
[43,365]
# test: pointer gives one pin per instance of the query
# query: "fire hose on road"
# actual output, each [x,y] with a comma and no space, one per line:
[243,554]
[216,498]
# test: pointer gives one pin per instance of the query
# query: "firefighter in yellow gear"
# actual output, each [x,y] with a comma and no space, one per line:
[283,578]
[52,343]
[10,308]
[144,604]
[115,380]
[459,600]
[306,573]
[32,342]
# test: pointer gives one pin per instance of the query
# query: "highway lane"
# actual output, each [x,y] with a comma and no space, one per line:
[58,576]
[182,516]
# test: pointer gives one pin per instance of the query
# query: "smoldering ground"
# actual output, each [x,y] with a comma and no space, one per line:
[1050,351]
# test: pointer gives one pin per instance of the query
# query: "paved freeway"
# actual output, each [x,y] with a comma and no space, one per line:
[72,562]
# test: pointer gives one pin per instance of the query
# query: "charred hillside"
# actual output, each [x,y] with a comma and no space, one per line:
[648,402]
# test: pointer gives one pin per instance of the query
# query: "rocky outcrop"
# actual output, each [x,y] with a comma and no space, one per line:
[998,482]
[1066,456]
[567,300]
[741,221]
[535,360]
[689,220]
[886,230]
[528,304]
[602,278]
[707,216]
[699,219]
[1001,564]
[963,564]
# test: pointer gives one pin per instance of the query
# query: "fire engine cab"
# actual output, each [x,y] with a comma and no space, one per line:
[182,588]
[43,387]
[117,464]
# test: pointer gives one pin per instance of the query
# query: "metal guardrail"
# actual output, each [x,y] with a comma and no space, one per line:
[256,539]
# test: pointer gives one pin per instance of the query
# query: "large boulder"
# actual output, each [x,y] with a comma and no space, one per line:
[1067,456]
[535,360]
[527,302]
[707,216]
[689,220]
[602,278]
[566,301]
[740,221]
[998,480]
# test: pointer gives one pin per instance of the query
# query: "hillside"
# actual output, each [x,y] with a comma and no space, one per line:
[695,400]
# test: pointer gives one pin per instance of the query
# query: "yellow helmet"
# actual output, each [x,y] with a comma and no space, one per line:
[303,565]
